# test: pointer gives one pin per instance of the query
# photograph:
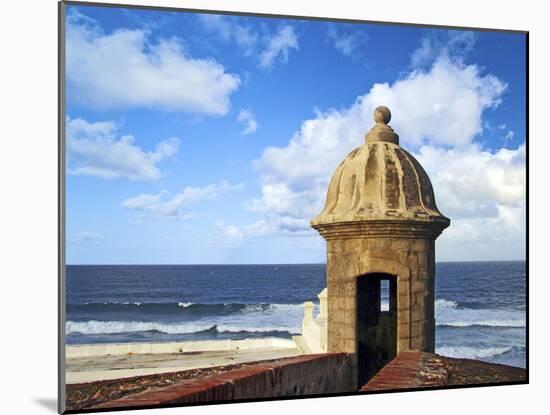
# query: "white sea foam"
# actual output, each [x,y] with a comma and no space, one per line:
[471,352]
[488,323]
[252,318]
[253,308]
[288,317]
[256,329]
[259,318]
[447,313]
[442,304]
[112,327]
[288,308]
[113,303]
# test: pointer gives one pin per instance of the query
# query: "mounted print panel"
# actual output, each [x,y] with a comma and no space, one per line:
[260,206]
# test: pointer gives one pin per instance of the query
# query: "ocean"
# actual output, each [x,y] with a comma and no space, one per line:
[480,306]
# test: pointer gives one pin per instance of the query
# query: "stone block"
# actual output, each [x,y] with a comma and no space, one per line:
[380,243]
[342,288]
[418,314]
[421,245]
[334,247]
[418,343]
[423,260]
[422,298]
[403,344]
[349,303]
[418,286]
[337,316]
[403,286]
[420,329]
[403,316]
[403,329]
[412,261]
[400,244]
[403,302]
[423,274]
[336,330]
[335,344]
[350,346]
[349,316]
[349,331]
[343,330]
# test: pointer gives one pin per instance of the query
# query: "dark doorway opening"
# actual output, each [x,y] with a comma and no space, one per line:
[376,323]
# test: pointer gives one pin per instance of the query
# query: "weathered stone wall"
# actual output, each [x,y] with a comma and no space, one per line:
[295,376]
[411,260]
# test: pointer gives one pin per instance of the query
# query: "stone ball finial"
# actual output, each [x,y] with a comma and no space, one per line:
[382,115]
[381,131]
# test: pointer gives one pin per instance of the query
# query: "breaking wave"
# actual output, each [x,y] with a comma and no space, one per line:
[472,352]
[189,317]
[449,313]
[115,327]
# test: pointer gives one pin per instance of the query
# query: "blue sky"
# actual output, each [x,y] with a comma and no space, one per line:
[211,139]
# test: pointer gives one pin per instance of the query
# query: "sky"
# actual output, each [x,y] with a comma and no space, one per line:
[210,139]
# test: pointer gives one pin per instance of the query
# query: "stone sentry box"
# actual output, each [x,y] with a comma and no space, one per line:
[380,222]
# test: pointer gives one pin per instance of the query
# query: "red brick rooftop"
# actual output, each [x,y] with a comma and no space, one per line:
[425,370]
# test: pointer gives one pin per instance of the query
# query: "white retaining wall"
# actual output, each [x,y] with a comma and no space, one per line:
[86,350]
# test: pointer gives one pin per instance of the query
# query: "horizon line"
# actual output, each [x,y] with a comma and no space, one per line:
[266,263]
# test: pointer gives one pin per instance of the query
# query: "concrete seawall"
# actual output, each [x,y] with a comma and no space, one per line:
[116,349]
[88,363]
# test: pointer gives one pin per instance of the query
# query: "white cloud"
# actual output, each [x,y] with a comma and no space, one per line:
[259,228]
[263,43]
[96,149]
[229,30]
[484,194]
[87,236]
[509,135]
[455,44]
[442,106]
[498,237]
[473,183]
[279,46]
[438,114]
[273,224]
[126,69]
[347,42]
[175,206]
[246,117]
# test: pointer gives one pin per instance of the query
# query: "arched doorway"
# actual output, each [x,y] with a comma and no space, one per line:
[376,323]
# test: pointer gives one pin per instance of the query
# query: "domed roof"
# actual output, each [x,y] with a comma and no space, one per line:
[380,181]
